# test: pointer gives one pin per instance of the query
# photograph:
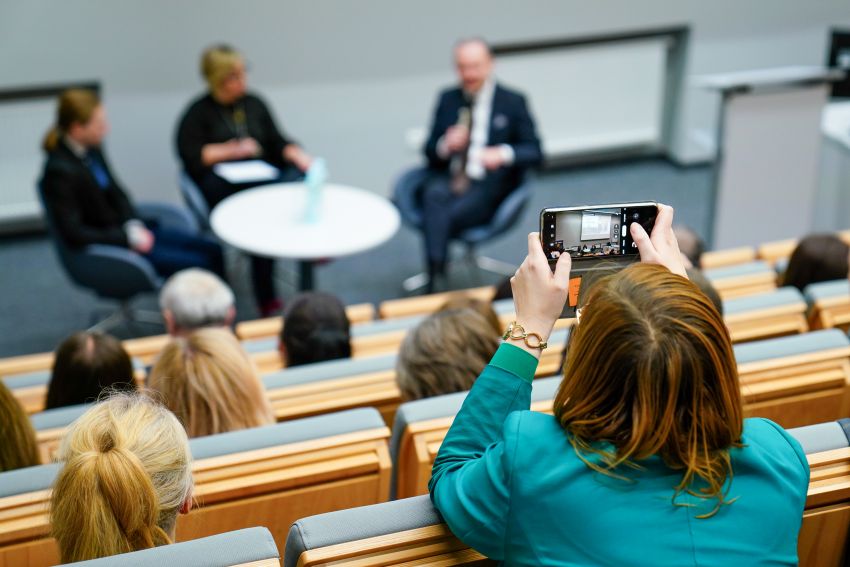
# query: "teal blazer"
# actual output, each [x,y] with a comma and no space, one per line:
[509,484]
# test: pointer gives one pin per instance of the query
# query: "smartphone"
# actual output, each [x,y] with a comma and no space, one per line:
[597,237]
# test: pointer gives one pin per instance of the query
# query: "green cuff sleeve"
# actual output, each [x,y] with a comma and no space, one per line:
[515,360]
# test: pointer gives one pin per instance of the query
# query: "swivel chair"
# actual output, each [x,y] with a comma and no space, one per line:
[115,273]
[406,197]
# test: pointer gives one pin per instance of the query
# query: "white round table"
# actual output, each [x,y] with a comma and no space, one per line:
[270,221]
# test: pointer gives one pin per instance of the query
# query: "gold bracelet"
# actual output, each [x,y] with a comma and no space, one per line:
[516,332]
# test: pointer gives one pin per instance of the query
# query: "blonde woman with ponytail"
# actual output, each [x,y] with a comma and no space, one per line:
[210,383]
[126,477]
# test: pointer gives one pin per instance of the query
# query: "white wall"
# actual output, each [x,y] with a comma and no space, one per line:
[349,78]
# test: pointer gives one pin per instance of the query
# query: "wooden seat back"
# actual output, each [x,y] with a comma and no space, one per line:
[423,304]
[728,257]
[772,314]
[271,326]
[743,279]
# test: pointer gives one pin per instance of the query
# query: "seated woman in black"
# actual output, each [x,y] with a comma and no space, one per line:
[89,206]
[230,124]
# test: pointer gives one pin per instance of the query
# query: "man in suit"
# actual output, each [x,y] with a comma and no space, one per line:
[482,141]
[89,206]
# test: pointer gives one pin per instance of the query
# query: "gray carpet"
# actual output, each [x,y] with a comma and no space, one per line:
[42,306]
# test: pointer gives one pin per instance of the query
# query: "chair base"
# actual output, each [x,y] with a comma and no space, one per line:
[471,261]
[125,314]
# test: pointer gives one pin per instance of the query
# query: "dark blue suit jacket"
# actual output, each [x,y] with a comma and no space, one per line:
[510,123]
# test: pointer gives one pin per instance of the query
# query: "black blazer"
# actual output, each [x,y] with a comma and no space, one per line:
[510,123]
[82,211]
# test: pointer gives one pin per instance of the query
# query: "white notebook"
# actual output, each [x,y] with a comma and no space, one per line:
[246,171]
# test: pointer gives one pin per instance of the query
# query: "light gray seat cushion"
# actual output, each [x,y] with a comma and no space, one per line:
[358,523]
[748,269]
[822,436]
[780,297]
[789,346]
[30,479]
[825,290]
[503,306]
[328,370]
[284,433]
[28,379]
[58,417]
[221,550]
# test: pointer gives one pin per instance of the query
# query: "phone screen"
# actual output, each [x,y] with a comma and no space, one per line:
[594,233]
[596,237]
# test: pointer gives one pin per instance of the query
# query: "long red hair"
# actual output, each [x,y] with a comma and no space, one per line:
[650,369]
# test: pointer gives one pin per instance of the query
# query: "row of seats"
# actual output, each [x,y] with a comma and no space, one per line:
[795,381]
[410,531]
[773,253]
[769,314]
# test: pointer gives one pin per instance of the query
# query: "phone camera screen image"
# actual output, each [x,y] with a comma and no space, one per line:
[594,233]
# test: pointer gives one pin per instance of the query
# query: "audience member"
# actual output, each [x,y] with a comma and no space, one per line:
[483,308]
[229,123]
[482,141]
[647,439]
[690,244]
[87,203]
[503,290]
[192,299]
[210,383]
[86,364]
[444,354]
[126,477]
[817,258]
[315,328]
[18,447]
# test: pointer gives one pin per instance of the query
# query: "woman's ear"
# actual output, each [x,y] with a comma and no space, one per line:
[186,505]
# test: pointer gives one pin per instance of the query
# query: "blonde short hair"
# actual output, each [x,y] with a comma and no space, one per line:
[127,473]
[217,62]
[210,383]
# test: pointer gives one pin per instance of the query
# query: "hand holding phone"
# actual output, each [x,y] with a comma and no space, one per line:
[661,247]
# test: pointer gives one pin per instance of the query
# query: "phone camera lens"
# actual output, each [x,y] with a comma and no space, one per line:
[635,216]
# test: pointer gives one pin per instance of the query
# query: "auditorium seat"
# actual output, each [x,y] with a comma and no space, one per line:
[250,547]
[796,380]
[421,425]
[829,304]
[408,532]
[765,315]
[728,257]
[823,539]
[424,304]
[271,326]
[742,279]
[266,476]
[773,252]
[50,427]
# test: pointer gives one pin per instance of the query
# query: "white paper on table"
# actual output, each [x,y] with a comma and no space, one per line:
[246,171]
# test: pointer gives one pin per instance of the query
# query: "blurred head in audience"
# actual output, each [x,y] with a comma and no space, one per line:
[474,63]
[194,298]
[86,364]
[126,477]
[817,258]
[445,354]
[315,328]
[650,369]
[79,116]
[18,448]
[704,284]
[210,383]
[503,290]
[223,68]
[483,308]
[690,245]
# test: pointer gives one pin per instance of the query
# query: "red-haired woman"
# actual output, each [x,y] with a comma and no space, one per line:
[647,460]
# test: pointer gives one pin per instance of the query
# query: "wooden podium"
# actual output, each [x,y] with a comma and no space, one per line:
[769,138]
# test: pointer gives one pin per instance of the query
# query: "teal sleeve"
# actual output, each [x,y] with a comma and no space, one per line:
[471,478]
